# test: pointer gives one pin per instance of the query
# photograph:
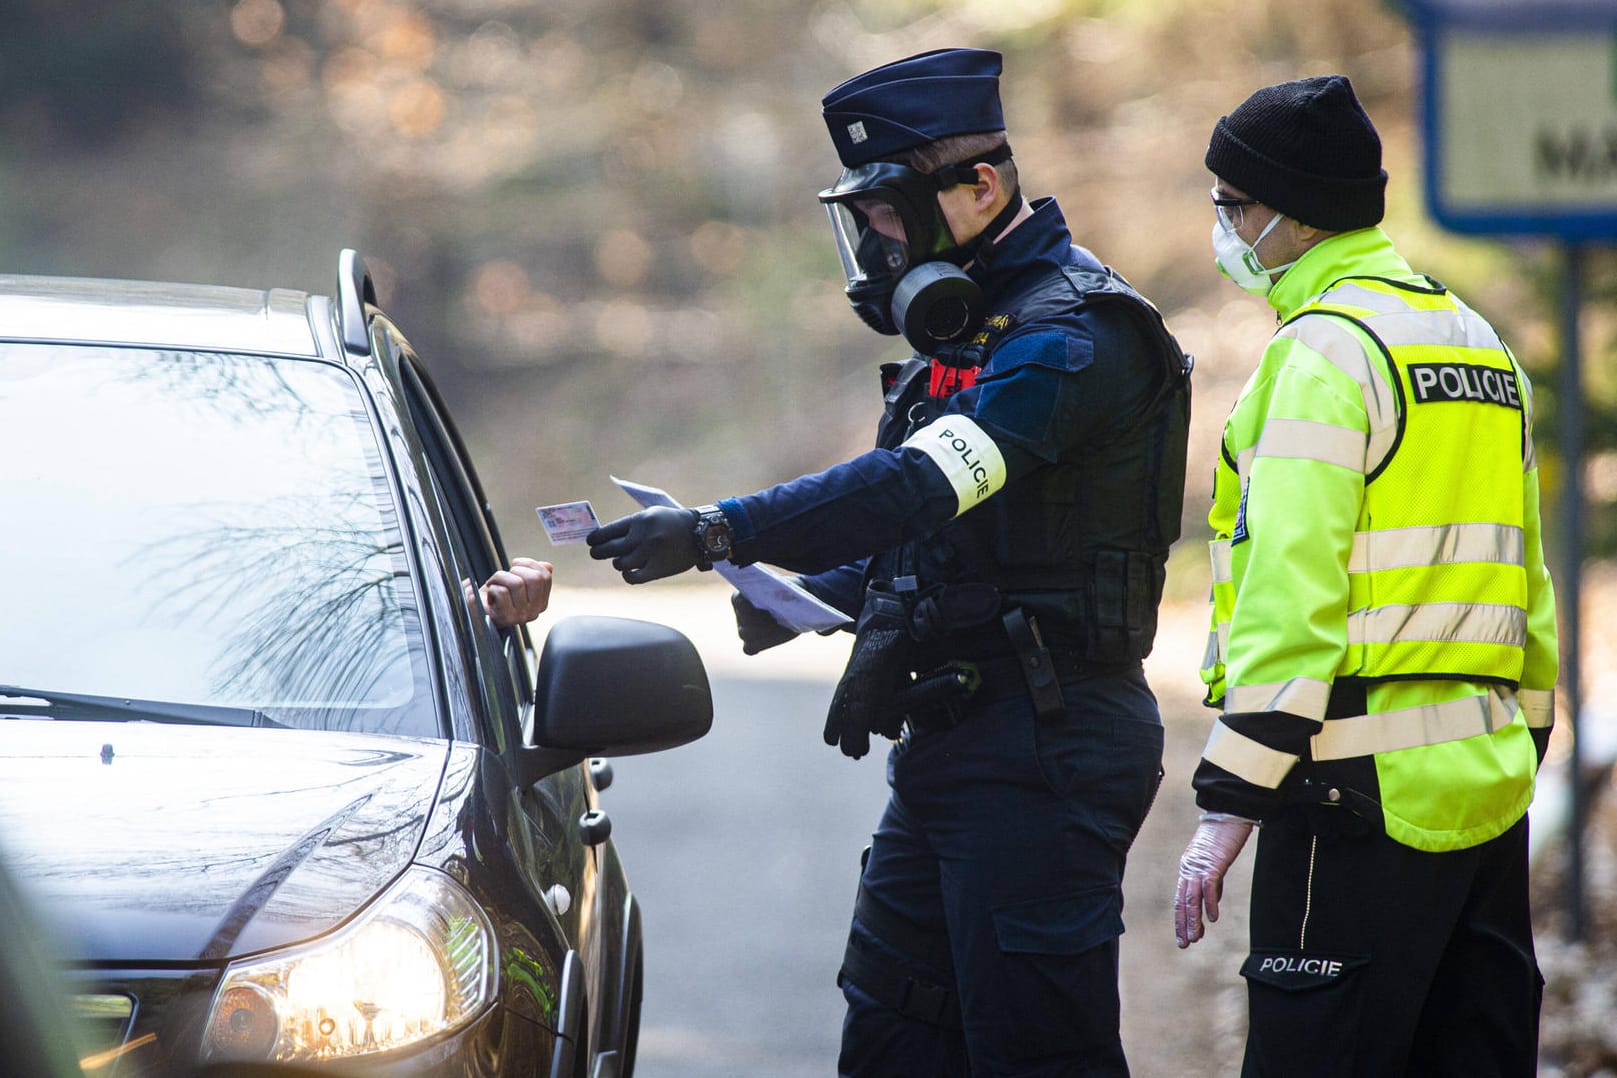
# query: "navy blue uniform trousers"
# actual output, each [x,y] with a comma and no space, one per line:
[1004,839]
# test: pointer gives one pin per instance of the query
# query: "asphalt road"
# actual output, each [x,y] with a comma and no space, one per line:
[744,850]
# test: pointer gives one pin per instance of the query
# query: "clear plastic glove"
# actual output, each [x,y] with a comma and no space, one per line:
[1214,847]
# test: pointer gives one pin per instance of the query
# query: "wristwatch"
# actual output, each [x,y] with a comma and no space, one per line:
[713,536]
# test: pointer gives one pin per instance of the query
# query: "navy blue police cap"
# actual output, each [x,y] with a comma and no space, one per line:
[910,102]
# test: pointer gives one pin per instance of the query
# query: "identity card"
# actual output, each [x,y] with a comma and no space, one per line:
[568,522]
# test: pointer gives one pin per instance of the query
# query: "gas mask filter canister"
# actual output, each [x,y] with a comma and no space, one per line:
[935,303]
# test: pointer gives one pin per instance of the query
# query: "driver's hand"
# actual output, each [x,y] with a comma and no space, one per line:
[518,594]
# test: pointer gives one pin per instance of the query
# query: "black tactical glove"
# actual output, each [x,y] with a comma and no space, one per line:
[648,545]
[863,703]
[758,629]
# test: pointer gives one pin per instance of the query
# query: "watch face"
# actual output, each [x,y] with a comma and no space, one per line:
[713,534]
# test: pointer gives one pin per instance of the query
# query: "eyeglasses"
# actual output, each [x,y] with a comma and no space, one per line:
[1230,210]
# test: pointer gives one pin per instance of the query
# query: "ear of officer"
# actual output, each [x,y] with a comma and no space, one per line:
[971,208]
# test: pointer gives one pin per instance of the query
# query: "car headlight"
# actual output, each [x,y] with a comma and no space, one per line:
[419,962]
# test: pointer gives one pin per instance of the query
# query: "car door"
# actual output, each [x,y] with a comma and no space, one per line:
[543,818]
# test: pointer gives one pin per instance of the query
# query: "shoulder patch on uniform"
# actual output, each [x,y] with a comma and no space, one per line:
[1059,350]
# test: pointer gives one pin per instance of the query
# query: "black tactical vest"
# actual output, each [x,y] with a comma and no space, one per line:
[1081,543]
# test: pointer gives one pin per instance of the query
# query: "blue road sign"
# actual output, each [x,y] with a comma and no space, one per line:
[1520,115]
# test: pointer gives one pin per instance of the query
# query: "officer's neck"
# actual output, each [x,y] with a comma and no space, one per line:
[1022,214]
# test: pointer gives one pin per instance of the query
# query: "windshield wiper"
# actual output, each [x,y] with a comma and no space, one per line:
[51,703]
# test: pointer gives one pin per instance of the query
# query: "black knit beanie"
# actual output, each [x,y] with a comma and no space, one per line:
[1307,149]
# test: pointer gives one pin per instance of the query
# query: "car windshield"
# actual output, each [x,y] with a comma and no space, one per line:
[202,529]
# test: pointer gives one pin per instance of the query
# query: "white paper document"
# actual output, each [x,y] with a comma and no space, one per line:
[790,605]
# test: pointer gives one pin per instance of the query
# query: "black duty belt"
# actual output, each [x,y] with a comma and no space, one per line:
[1002,678]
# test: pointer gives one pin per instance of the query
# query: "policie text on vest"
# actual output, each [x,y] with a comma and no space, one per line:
[1464,382]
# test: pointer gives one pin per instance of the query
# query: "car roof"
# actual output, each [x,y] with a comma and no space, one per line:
[180,316]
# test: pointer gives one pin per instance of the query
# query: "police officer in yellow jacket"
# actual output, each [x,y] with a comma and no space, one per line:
[1383,643]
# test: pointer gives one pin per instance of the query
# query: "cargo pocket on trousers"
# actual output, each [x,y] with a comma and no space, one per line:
[1053,986]
[1055,981]
[1305,1012]
[1065,924]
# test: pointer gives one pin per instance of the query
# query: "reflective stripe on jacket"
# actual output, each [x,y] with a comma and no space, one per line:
[1376,517]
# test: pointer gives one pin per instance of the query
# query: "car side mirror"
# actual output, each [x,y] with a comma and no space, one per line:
[614,687]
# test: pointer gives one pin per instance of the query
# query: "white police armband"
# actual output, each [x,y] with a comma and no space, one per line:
[968,457]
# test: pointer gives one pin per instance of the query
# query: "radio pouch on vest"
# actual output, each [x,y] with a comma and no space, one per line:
[1123,610]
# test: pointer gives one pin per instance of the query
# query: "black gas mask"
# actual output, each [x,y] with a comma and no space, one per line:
[905,271]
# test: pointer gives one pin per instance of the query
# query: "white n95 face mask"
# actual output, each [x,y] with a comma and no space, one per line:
[1238,260]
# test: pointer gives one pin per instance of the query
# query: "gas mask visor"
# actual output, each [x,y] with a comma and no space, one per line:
[885,220]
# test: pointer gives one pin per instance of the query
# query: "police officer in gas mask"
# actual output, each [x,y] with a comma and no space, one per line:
[1002,551]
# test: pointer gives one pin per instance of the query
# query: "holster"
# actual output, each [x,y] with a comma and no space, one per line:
[1038,668]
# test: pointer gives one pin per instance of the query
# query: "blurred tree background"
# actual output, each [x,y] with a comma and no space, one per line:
[596,221]
[596,218]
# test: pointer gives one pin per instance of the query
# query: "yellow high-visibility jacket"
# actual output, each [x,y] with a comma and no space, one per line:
[1376,525]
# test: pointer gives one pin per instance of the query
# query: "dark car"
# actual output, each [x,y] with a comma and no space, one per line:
[279,789]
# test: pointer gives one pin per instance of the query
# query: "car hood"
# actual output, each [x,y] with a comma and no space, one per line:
[147,843]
